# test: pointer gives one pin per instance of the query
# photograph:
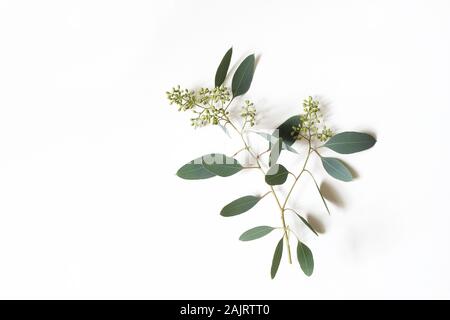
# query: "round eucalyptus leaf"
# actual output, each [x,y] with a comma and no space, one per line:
[284,131]
[276,175]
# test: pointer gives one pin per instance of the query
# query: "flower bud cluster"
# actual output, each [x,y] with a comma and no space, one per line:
[248,113]
[311,126]
[209,106]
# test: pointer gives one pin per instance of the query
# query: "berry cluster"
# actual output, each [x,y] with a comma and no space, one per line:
[311,126]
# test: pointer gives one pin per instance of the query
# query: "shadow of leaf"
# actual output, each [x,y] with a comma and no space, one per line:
[371,132]
[354,173]
[330,194]
[316,224]
[257,59]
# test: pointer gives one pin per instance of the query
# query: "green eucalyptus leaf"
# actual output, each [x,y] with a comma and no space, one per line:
[272,139]
[243,76]
[222,70]
[337,169]
[220,164]
[305,258]
[305,222]
[284,131]
[256,233]
[194,170]
[320,192]
[239,206]
[276,175]
[276,258]
[266,136]
[350,142]
[275,151]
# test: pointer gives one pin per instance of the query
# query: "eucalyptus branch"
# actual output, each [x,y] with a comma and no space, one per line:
[318,189]
[295,177]
[211,106]
[255,157]
[299,175]
[262,153]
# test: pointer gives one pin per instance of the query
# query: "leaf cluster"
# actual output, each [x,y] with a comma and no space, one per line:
[211,106]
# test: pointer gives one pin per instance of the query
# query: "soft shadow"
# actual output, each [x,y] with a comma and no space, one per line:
[257,58]
[371,132]
[331,194]
[316,224]
[270,116]
[325,106]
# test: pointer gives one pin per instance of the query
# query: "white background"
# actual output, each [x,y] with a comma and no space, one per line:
[90,206]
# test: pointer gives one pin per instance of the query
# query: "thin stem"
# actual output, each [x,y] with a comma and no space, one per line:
[229,103]
[295,234]
[286,235]
[265,194]
[247,147]
[303,136]
[264,152]
[299,175]
[283,208]
[292,174]
[243,124]
[237,152]
[314,150]
[200,106]
[318,189]
[290,209]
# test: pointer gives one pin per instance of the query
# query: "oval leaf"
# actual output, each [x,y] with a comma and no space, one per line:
[276,258]
[305,222]
[239,206]
[222,70]
[284,131]
[194,170]
[256,233]
[276,175]
[320,192]
[243,76]
[275,152]
[220,164]
[305,258]
[337,169]
[350,142]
